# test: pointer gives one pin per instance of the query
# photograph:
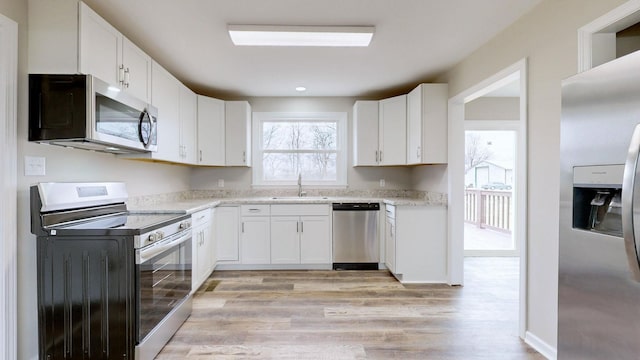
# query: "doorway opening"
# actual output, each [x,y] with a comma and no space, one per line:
[478,104]
[490,157]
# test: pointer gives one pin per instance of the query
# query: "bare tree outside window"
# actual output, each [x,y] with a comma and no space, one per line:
[476,152]
[300,147]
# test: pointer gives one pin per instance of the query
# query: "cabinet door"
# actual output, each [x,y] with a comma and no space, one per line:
[188,114]
[165,94]
[136,71]
[315,240]
[238,133]
[255,240]
[434,117]
[390,244]
[285,240]
[365,133]
[100,47]
[393,131]
[414,126]
[227,233]
[197,258]
[211,131]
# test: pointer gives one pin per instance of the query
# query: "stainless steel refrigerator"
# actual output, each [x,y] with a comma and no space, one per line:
[599,271]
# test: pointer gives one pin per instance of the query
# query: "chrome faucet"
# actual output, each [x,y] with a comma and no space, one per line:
[300,192]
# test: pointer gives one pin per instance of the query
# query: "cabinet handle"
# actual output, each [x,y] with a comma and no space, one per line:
[121,75]
[126,78]
[301,226]
[418,152]
[297,226]
[243,227]
[376,156]
[380,155]
[244,157]
[200,155]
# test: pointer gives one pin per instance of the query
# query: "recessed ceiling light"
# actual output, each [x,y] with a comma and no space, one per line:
[301,88]
[264,35]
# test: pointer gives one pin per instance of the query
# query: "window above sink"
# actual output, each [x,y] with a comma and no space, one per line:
[310,145]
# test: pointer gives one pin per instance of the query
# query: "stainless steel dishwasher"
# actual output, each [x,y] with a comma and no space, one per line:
[355,236]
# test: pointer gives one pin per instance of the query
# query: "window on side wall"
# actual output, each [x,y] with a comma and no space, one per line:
[312,145]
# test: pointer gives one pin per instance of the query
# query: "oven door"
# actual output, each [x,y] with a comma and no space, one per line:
[163,280]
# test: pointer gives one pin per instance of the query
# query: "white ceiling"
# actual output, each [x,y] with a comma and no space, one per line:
[415,41]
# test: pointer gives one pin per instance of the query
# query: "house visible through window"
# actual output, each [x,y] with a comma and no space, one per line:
[312,145]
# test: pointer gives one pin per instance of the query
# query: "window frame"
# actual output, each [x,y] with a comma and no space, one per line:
[259,118]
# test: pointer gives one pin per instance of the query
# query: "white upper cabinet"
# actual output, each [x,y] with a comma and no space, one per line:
[177,118]
[427,124]
[100,47]
[238,133]
[67,37]
[211,131]
[380,131]
[365,133]
[392,134]
[188,104]
[135,70]
[108,55]
[166,97]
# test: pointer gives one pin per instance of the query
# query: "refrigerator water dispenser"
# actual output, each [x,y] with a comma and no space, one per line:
[597,193]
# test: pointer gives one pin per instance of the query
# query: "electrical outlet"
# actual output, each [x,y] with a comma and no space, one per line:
[34,166]
[382,183]
[220,182]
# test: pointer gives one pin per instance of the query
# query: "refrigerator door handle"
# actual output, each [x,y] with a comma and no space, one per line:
[631,197]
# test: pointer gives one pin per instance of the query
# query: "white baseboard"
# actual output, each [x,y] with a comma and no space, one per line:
[540,346]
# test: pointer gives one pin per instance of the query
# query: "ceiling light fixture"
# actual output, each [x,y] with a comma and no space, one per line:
[301,88]
[264,35]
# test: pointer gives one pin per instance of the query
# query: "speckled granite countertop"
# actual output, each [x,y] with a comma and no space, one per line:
[190,206]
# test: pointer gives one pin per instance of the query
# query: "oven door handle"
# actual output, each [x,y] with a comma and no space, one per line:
[148,252]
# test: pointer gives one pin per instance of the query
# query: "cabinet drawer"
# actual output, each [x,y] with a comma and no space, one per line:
[200,218]
[300,210]
[254,210]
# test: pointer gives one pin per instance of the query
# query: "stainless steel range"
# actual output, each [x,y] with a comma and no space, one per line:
[111,283]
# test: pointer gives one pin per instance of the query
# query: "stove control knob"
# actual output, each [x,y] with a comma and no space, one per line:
[152,237]
[185,225]
[160,235]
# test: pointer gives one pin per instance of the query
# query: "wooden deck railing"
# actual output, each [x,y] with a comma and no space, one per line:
[489,209]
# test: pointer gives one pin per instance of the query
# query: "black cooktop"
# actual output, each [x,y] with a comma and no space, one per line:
[119,224]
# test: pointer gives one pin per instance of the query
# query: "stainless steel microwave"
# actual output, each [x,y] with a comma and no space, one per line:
[81,111]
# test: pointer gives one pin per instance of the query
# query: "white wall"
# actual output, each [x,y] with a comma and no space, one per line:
[357,178]
[547,36]
[493,108]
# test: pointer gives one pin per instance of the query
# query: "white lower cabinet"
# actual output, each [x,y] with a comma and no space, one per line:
[285,240]
[300,234]
[202,245]
[227,233]
[315,240]
[255,244]
[390,239]
[273,236]
[416,243]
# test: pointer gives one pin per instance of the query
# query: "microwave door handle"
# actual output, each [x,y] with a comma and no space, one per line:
[631,197]
[145,134]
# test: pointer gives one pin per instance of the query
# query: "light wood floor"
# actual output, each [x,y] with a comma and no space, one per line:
[354,315]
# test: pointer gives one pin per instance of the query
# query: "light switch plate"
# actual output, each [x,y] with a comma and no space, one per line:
[34,166]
